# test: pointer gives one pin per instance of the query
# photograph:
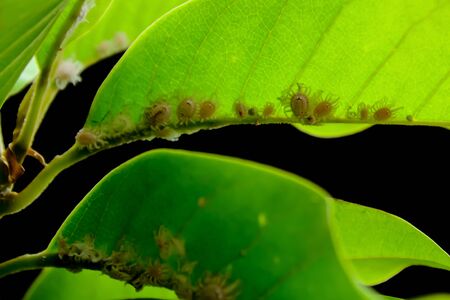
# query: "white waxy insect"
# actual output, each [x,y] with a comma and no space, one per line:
[68,71]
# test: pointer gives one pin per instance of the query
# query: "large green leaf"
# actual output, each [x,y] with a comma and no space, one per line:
[264,228]
[375,61]
[23,26]
[121,24]
[380,245]
[60,284]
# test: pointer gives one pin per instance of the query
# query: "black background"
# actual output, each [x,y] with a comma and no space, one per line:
[401,170]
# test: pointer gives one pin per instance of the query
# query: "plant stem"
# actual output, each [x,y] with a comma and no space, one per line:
[16,202]
[25,138]
[28,262]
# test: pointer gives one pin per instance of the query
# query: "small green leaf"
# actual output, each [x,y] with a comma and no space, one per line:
[57,284]
[358,62]
[203,216]
[24,25]
[121,24]
[28,74]
[380,245]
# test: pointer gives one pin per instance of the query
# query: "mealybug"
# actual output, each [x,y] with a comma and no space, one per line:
[89,139]
[156,274]
[269,110]
[297,101]
[323,107]
[240,109]
[158,115]
[382,112]
[299,104]
[363,111]
[207,110]
[186,110]
[105,48]
[121,41]
[216,287]
[68,71]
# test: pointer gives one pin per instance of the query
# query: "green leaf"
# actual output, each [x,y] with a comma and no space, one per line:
[121,24]
[60,284]
[28,74]
[332,130]
[366,58]
[380,245]
[265,228]
[24,25]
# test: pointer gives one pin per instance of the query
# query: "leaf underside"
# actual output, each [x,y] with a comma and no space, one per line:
[358,62]
[269,230]
[240,230]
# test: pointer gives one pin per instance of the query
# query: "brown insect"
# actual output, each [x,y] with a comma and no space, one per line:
[269,110]
[299,104]
[186,110]
[324,108]
[216,287]
[382,114]
[207,110]
[158,115]
[382,111]
[363,111]
[163,239]
[240,109]
[89,139]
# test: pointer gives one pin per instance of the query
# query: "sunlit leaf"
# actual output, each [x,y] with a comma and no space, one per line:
[380,245]
[360,61]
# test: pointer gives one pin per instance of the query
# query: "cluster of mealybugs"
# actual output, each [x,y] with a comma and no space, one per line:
[378,112]
[126,266]
[308,107]
[159,114]
[118,43]
[312,108]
